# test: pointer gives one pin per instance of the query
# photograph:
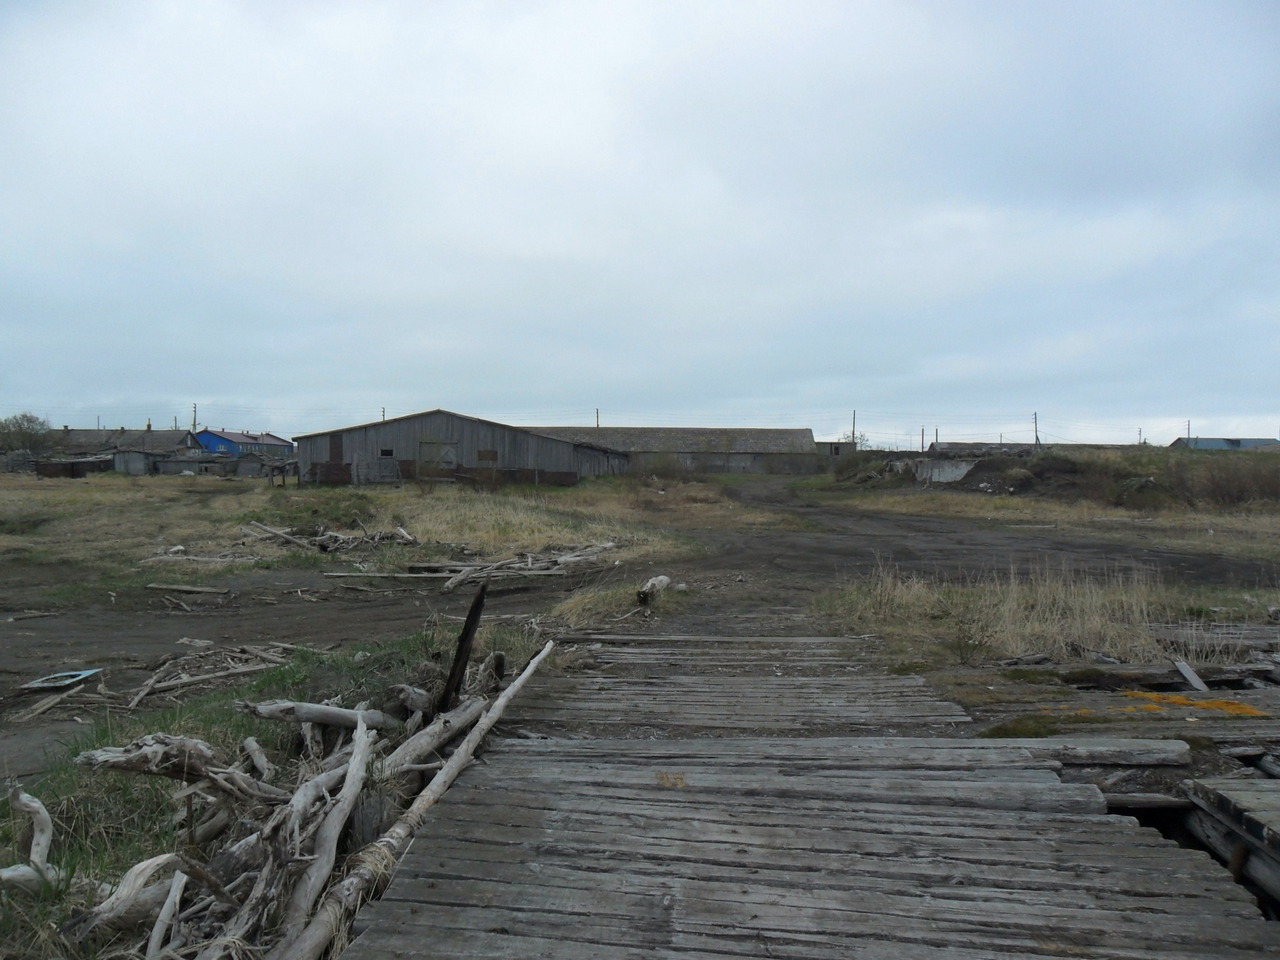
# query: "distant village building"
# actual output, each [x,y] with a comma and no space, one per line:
[703,449]
[69,442]
[440,444]
[952,448]
[235,444]
[78,452]
[1226,443]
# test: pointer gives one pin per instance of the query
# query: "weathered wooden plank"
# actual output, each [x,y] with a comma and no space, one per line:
[1119,879]
[1253,806]
[567,843]
[498,804]
[1086,751]
[498,943]
[670,919]
[554,890]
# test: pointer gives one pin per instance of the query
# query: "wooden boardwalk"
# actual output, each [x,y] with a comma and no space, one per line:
[727,686]
[730,843]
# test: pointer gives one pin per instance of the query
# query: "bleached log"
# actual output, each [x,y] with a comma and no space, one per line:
[374,862]
[220,675]
[588,553]
[36,874]
[652,587]
[46,704]
[258,756]
[41,824]
[429,739]
[180,758]
[262,654]
[318,713]
[146,688]
[308,797]
[312,882]
[120,903]
[155,943]
[483,570]
[282,535]
[186,588]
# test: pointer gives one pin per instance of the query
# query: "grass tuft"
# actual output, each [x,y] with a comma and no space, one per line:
[1063,613]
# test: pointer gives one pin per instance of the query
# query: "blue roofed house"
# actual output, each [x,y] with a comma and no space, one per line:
[238,444]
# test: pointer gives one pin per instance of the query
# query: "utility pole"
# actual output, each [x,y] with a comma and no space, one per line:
[1139,436]
[193,418]
[853,431]
[935,436]
[922,438]
[597,418]
[384,413]
[1188,429]
[1035,426]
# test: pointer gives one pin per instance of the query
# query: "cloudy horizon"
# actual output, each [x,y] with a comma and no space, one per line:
[947,216]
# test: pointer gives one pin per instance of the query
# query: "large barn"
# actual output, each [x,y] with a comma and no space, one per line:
[445,445]
[703,449]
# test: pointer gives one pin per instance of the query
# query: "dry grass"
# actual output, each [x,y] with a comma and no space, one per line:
[111,518]
[102,527]
[594,606]
[687,504]
[1063,613]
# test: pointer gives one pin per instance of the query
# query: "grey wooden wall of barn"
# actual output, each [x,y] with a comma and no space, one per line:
[443,442]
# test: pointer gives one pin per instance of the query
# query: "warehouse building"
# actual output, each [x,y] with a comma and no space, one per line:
[439,444]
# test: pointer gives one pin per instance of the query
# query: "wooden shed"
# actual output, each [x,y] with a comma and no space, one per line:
[445,445]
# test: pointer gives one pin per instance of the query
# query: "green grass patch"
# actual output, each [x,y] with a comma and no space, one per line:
[1024,727]
[1032,675]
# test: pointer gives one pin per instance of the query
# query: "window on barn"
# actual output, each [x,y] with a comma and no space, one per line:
[386,452]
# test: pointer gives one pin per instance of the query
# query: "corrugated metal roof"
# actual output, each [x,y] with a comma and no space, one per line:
[641,439]
[243,438]
[686,439]
[102,441]
[406,416]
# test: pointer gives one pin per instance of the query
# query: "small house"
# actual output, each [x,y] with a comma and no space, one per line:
[235,444]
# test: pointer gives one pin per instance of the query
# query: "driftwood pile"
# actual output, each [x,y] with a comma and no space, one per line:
[456,574]
[261,843]
[330,541]
[173,673]
[325,541]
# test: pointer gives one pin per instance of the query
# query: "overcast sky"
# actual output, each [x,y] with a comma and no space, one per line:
[944,215]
